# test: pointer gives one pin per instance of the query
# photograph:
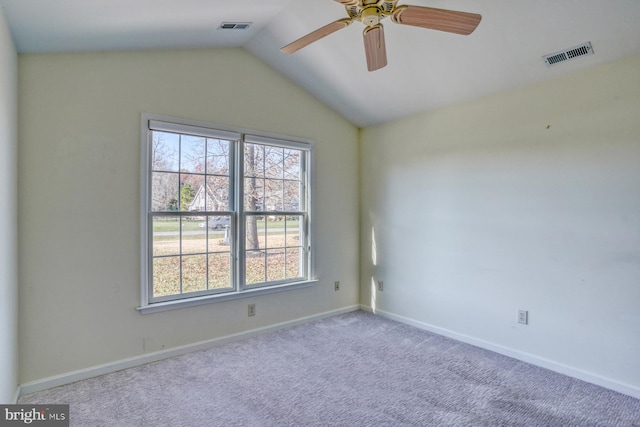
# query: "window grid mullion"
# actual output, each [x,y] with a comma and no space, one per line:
[266,250]
[206,218]
[234,206]
[239,254]
[284,244]
[304,199]
[180,208]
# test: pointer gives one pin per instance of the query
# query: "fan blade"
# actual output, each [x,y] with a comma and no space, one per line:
[374,47]
[347,2]
[450,21]
[316,35]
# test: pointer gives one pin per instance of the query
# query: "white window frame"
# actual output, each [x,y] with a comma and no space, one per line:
[154,122]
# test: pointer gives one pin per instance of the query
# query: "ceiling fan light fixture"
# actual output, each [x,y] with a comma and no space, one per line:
[370,16]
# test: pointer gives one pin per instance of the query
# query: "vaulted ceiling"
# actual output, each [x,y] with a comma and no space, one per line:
[426,69]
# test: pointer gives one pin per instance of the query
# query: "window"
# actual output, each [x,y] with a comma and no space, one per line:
[225,213]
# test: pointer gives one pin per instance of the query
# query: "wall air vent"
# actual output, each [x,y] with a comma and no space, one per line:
[234,25]
[567,54]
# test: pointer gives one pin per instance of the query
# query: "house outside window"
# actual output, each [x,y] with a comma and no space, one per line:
[226,213]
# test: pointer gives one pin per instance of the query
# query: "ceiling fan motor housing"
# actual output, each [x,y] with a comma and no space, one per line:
[369,12]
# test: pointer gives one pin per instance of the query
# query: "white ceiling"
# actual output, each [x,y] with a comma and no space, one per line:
[427,69]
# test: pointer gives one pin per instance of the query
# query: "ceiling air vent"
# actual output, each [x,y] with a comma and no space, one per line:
[567,54]
[234,25]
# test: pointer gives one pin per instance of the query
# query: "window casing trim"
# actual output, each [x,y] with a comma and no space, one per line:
[154,122]
[196,130]
[228,296]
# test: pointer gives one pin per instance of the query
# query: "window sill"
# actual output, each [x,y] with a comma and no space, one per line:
[208,299]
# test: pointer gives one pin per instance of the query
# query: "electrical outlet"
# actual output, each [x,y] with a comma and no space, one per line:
[336,285]
[380,285]
[252,310]
[523,317]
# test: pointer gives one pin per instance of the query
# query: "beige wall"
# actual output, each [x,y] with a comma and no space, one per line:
[528,199]
[8,216]
[79,199]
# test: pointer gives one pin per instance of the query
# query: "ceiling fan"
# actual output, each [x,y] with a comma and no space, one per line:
[372,12]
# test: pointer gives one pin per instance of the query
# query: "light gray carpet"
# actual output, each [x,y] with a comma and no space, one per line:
[355,369]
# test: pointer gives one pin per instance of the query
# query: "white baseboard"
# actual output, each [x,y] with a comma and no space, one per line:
[83,374]
[17,395]
[589,377]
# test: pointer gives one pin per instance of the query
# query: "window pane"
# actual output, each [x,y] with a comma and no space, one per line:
[194,273]
[275,232]
[164,151]
[280,190]
[274,192]
[292,196]
[293,226]
[198,201]
[294,263]
[217,193]
[218,156]
[189,188]
[166,276]
[192,154]
[253,194]
[255,267]
[164,192]
[275,265]
[194,237]
[166,236]
[253,160]
[273,162]
[219,270]
[292,164]
[256,232]
[219,232]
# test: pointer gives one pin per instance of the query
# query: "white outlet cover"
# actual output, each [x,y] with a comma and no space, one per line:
[523,317]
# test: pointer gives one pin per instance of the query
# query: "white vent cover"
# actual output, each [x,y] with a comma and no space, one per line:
[234,25]
[567,54]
